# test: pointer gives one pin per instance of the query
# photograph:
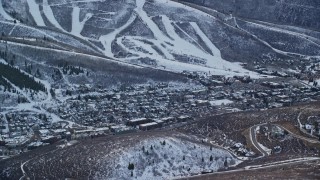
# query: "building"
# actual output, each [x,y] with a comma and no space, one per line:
[121,129]
[136,122]
[149,126]
[202,103]
[183,118]
[35,145]
[168,120]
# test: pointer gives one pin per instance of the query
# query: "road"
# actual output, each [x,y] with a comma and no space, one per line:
[256,167]
[313,141]
[254,141]
[23,171]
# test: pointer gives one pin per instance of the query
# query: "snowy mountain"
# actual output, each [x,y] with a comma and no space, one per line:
[300,13]
[151,89]
[164,34]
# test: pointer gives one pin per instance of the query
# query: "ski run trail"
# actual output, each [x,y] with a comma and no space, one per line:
[34,10]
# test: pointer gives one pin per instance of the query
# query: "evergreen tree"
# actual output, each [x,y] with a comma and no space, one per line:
[20,79]
[53,94]
[225,163]
[131,166]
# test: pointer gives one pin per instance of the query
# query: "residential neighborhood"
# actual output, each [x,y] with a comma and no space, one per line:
[150,106]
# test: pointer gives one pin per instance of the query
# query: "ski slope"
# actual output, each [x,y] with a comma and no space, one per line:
[173,44]
[212,47]
[107,40]
[34,10]
[50,16]
[77,25]
[172,47]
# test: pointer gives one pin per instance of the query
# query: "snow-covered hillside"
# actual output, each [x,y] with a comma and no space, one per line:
[161,34]
[165,158]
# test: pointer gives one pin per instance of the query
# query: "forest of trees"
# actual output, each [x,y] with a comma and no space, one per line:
[70,70]
[7,86]
[20,79]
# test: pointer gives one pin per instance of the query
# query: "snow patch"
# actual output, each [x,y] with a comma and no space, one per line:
[166,158]
[109,38]
[35,12]
[220,102]
[77,25]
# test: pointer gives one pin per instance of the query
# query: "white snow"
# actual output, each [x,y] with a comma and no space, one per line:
[35,12]
[282,30]
[182,46]
[177,158]
[265,148]
[33,105]
[77,25]
[212,47]
[74,53]
[220,102]
[165,60]
[146,19]
[49,14]
[275,49]
[213,63]
[108,39]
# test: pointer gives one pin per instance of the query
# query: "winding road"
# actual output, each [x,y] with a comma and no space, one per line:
[254,141]
[256,167]
[313,141]
[23,171]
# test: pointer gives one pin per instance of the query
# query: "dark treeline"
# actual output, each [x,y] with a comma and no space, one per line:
[71,70]
[20,79]
[7,86]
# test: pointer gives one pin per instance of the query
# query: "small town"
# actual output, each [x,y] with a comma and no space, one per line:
[93,113]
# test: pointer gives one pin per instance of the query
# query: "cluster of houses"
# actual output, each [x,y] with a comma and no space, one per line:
[276,95]
[148,124]
[312,126]
[18,130]
[146,107]
[119,106]
[241,150]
